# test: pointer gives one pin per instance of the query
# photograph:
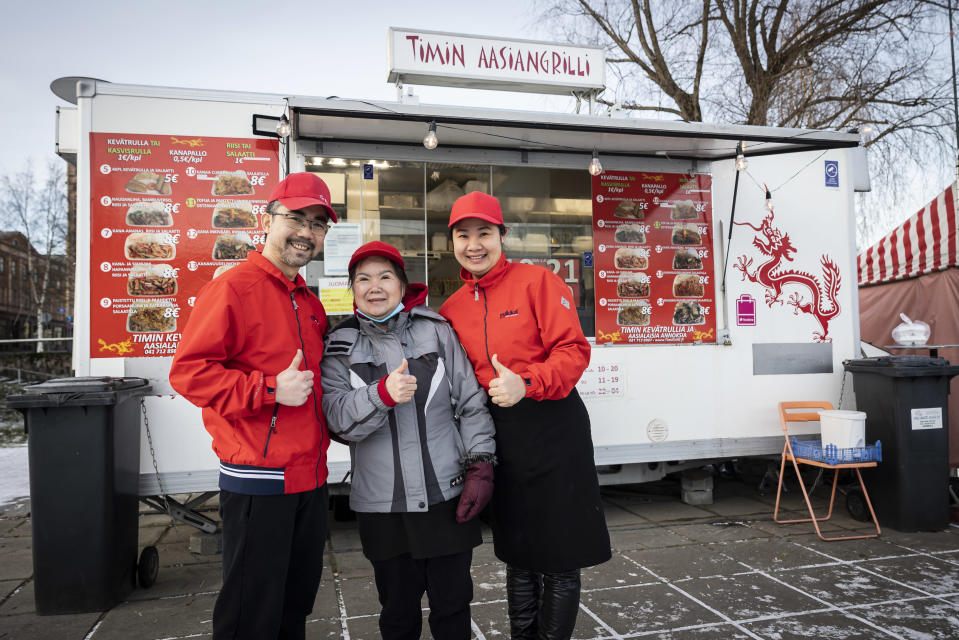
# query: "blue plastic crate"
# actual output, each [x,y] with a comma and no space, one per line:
[831,454]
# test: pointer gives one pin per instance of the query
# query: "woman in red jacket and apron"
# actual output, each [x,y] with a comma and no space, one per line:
[520,330]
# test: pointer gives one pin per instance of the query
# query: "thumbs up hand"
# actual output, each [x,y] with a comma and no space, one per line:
[293,387]
[507,388]
[400,385]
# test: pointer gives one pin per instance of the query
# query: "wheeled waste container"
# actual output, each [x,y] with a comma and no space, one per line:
[83,438]
[906,403]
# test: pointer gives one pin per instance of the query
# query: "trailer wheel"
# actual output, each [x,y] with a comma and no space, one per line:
[856,505]
[953,492]
[148,567]
[341,509]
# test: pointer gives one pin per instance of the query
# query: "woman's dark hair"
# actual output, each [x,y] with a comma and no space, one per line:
[400,272]
[502,231]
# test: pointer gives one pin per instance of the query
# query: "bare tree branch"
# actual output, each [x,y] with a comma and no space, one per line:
[40,214]
[822,64]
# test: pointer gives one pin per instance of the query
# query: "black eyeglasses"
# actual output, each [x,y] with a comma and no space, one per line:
[299,223]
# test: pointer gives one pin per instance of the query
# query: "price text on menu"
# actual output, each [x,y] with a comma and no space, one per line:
[654,258]
[167,215]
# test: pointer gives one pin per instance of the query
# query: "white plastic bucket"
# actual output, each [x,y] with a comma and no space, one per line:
[845,429]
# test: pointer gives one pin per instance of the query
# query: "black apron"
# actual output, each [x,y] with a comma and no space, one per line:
[427,534]
[546,508]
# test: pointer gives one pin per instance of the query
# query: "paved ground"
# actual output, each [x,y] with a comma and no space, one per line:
[678,572]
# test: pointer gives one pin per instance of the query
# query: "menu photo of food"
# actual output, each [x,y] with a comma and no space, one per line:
[151,316]
[683,210]
[223,268]
[633,233]
[232,183]
[149,183]
[233,215]
[686,234]
[151,280]
[632,285]
[232,246]
[149,213]
[633,315]
[149,246]
[685,260]
[688,285]
[631,259]
[688,313]
[628,209]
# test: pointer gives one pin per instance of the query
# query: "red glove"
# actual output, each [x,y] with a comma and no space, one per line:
[477,491]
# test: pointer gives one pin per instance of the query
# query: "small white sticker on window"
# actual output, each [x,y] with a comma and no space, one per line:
[927,418]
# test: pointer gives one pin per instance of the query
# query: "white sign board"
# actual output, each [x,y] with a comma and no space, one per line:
[483,62]
[927,418]
[340,242]
[602,381]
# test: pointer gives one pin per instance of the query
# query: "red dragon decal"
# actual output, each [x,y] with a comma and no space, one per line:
[772,242]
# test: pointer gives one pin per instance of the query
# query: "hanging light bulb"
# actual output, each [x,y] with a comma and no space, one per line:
[595,167]
[769,199]
[741,162]
[430,140]
[283,127]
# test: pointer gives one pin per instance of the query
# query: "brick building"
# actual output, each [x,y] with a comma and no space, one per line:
[18,316]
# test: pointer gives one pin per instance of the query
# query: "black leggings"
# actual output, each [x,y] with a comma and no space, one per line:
[542,606]
[400,583]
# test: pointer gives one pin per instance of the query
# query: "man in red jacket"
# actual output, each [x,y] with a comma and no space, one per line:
[250,358]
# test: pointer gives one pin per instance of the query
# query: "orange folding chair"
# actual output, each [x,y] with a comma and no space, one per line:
[785,417]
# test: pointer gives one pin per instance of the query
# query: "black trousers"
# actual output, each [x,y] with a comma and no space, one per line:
[542,606]
[400,583]
[272,561]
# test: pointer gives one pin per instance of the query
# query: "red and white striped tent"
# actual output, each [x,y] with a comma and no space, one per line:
[915,270]
[924,243]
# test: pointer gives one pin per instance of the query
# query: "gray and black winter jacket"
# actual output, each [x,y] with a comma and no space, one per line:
[410,456]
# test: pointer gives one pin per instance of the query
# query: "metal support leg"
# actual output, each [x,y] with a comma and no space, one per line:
[184,513]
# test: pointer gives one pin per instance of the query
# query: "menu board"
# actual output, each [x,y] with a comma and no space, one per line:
[653,259]
[167,214]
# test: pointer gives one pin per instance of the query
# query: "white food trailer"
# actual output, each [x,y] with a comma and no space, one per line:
[780,323]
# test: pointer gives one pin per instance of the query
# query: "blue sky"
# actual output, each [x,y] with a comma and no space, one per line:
[316,48]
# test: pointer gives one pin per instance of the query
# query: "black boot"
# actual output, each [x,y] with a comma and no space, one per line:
[560,604]
[522,594]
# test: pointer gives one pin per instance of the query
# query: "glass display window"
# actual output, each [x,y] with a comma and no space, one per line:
[547,213]
[548,216]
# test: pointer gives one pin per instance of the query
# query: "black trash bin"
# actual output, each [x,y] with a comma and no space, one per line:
[906,403]
[83,438]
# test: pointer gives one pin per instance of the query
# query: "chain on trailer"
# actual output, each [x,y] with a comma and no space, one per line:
[842,388]
[163,503]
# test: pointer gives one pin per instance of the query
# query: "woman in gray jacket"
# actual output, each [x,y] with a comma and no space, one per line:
[398,387]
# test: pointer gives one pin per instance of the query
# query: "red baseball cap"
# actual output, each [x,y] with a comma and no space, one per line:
[377,248]
[303,189]
[476,204]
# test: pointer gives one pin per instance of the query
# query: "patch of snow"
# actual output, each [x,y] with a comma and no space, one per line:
[14,475]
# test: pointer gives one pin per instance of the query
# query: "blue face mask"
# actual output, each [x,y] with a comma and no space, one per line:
[399,307]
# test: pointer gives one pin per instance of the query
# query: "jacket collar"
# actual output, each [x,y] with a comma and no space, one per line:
[258,260]
[491,278]
[415,295]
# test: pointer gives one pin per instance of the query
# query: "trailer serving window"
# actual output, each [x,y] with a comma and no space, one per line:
[547,213]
